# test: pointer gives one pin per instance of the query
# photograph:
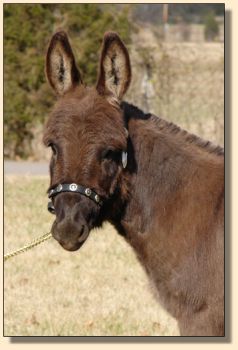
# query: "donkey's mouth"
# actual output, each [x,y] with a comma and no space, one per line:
[70,241]
[71,247]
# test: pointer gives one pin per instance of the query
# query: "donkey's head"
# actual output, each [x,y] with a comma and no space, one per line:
[87,135]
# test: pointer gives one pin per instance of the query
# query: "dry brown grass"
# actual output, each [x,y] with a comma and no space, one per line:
[100,290]
[185,83]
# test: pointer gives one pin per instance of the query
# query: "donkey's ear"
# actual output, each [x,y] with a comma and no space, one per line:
[115,69]
[61,69]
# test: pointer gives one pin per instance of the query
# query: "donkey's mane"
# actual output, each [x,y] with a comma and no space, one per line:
[131,111]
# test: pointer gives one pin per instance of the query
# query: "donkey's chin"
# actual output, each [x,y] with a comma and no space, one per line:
[69,238]
[72,247]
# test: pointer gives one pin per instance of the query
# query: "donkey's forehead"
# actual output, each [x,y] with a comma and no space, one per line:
[78,101]
[83,112]
[84,103]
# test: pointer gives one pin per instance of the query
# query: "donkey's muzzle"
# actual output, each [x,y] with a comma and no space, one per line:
[70,235]
[70,228]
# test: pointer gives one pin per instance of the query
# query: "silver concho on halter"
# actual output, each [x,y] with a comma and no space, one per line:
[73,187]
[97,199]
[88,192]
[59,188]
[51,192]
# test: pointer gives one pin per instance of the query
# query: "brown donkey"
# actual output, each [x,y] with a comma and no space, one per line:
[161,187]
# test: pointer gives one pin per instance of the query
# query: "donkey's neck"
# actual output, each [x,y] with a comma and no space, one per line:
[175,199]
[162,170]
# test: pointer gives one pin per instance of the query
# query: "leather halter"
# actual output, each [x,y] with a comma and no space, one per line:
[86,191]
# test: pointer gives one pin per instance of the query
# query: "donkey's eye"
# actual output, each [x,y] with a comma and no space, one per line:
[110,159]
[111,154]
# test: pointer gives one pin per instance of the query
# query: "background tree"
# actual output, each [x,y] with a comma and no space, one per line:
[211,26]
[27,30]
[29,27]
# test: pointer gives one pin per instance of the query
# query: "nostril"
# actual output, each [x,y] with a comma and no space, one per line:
[81,231]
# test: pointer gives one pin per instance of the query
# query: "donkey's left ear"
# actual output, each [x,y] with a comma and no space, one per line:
[115,69]
[61,69]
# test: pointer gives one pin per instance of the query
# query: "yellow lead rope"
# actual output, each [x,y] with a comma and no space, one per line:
[34,243]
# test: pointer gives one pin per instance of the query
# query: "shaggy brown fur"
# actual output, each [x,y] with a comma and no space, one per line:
[168,202]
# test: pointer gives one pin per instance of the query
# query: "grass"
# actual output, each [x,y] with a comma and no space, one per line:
[185,84]
[100,290]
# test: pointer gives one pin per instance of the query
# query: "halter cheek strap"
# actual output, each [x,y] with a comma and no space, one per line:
[86,191]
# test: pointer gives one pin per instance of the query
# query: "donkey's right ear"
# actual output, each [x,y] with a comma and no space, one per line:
[61,69]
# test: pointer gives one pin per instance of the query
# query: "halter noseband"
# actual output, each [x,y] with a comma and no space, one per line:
[86,191]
